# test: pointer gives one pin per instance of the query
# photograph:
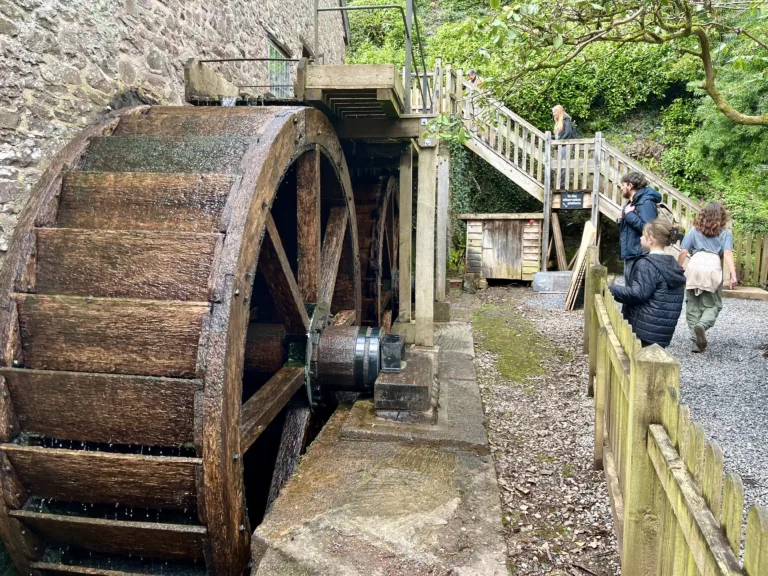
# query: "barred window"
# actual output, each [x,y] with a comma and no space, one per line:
[279,74]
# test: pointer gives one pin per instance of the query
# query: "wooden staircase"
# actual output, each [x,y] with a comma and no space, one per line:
[534,160]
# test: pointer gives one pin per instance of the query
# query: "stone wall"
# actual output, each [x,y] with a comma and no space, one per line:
[63,61]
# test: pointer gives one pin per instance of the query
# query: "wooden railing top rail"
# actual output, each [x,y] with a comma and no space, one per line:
[501,108]
[573,141]
[653,178]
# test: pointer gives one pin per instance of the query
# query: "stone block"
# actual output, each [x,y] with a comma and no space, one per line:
[407,390]
[201,82]
[442,312]
[552,282]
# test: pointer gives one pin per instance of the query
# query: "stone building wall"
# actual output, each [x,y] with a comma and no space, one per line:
[63,61]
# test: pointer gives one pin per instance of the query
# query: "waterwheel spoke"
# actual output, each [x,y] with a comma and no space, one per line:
[282,284]
[261,408]
[308,226]
[333,244]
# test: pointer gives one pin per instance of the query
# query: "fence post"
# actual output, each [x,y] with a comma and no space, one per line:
[597,277]
[593,259]
[601,375]
[596,179]
[437,99]
[460,94]
[653,371]
[547,198]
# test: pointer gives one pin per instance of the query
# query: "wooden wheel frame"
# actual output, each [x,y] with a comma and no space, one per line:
[378,229]
[274,141]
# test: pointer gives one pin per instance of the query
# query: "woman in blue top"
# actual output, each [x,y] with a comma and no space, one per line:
[707,242]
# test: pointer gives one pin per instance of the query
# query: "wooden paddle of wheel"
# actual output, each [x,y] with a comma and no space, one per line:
[377,229]
[153,247]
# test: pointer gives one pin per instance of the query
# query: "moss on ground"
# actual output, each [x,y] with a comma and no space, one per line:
[503,331]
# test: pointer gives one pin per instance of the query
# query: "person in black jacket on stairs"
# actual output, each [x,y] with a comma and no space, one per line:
[653,301]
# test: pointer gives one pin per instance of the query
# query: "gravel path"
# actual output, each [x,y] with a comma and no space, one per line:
[555,506]
[727,390]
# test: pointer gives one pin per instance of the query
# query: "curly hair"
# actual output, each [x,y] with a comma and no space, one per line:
[711,220]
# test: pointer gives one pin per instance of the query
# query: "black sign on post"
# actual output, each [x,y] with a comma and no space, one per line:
[571,201]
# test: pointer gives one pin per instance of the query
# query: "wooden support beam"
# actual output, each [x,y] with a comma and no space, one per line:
[333,244]
[557,234]
[292,443]
[406,231]
[443,178]
[308,224]
[261,408]
[425,247]
[282,284]
[403,129]
[596,180]
[387,99]
[547,197]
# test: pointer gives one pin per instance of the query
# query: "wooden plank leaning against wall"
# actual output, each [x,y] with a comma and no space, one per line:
[673,511]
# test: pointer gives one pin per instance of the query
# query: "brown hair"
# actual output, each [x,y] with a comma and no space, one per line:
[662,231]
[635,179]
[711,220]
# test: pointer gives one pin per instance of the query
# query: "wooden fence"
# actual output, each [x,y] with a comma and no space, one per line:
[750,253]
[673,514]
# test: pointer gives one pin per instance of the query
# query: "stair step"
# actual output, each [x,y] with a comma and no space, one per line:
[196,154]
[146,337]
[171,541]
[124,264]
[183,121]
[140,410]
[143,201]
[157,482]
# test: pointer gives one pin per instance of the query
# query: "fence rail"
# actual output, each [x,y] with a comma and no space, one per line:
[674,513]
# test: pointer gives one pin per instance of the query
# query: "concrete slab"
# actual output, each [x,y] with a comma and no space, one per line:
[381,508]
[442,311]
[455,337]
[457,366]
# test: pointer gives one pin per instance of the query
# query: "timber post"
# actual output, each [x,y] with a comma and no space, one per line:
[601,375]
[408,50]
[437,100]
[653,372]
[425,246]
[460,94]
[443,187]
[596,278]
[406,235]
[591,287]
[596,180]
[547,199]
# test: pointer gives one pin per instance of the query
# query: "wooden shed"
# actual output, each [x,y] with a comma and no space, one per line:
[504,246]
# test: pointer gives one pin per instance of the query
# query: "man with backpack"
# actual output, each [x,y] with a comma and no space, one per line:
[635,214]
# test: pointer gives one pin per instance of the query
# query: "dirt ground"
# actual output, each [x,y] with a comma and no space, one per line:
[532,377]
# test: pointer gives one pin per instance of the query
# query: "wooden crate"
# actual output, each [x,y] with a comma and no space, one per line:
[504,246]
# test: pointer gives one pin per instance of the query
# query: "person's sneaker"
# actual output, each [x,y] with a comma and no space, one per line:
[701,337]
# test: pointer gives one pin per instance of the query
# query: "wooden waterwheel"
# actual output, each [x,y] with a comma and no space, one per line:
[179,275]
[378,229]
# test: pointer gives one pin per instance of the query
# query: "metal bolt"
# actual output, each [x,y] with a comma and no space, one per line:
[237,291]
[29,287]
[264,204]
[295,120]
[236,456]
[242,527]
[15,362]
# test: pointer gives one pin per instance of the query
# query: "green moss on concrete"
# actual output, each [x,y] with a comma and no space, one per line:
[514,339]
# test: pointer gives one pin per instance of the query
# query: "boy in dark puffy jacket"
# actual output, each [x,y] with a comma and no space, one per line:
[654,299]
